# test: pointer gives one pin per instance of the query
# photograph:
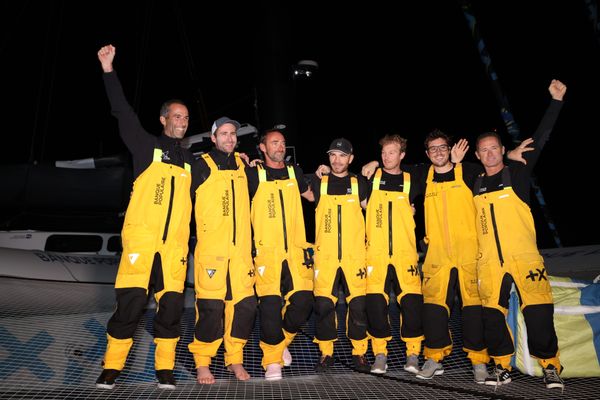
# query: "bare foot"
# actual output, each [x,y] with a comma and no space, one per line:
[204,376]
[239,371]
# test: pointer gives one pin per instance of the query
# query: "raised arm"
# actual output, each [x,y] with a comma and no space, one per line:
[133,134]
[458,151]
[106,55]
[557,89]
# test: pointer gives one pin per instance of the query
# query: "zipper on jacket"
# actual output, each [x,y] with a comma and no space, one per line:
[496,236]
[233,210]
[339,220]
[170,210]
[446,224]
[285,244]
[390,236]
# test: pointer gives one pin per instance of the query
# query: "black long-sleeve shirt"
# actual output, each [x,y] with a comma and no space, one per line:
[140,142]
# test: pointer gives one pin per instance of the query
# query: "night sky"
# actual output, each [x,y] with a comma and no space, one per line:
[384,67]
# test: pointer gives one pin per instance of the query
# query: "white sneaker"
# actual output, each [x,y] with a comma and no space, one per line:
[287,357]
[430,369]
[480,373]
[380,364]
[412,364]
[273,372]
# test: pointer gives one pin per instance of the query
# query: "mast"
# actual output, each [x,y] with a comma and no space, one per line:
[509,121]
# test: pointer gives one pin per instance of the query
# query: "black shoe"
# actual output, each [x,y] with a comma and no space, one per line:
[165,379]
[499,376]
[361,364]
[552,379]
[325,362]
[107,378]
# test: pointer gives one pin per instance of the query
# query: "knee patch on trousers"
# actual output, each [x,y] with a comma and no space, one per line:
[209,326]
[130,307]
[412,313]
[168,316]
[377,313]
[270,319]
[244,314]
[298,310]
[357,320]
[325,328]
[542,339]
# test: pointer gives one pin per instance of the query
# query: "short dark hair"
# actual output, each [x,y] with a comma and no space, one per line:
[437,134]
[485,135]
[264,136]
[164,109]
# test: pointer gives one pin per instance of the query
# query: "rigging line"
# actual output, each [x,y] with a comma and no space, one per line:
[45,74]
[511,125]
[187,51]
[145,40]
[191,67]
[592,8]
[52,77]
[9,30]
[509,121]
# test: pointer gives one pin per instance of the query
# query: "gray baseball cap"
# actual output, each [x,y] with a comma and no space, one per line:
[222,121]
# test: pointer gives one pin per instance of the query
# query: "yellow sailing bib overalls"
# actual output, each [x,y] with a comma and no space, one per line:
[508,247]
[155,232]
[392,256]
[281,270]
[452,245]
[340,258]
[223,269]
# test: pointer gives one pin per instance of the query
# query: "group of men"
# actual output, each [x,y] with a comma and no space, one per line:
[480,239]
[247,257]
[252,254]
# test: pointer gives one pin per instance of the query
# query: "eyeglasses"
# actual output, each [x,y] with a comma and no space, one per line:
[435,149]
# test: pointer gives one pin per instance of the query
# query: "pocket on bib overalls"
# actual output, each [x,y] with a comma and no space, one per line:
[322,263]
[304,259]
[179,263]
[432,282]
[485,281]
[533,277]
[266,269]
[470,279]
[138,250]
[210,272]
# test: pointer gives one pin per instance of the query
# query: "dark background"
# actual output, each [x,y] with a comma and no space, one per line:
[384,67]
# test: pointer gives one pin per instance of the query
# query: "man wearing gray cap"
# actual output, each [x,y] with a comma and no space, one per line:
[340,256]
[223,269]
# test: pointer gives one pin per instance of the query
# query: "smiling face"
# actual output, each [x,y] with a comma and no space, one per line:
[225,138]
[391,156]
[491,153]
[438,152]
[273,147]
[175,123]
[339,162]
